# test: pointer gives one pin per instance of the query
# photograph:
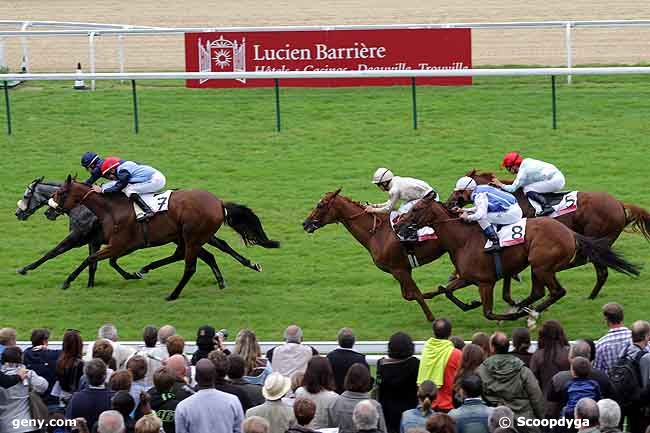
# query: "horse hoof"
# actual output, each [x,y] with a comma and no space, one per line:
[171,298]
[136,276]
[222,285]
[475,304]
[65,285]
[21,271]
[512,310]
[256,267]
[142,271]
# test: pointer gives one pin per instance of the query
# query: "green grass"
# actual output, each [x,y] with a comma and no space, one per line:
[224,141]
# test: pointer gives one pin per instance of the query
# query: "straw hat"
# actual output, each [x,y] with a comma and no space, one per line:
[276,386]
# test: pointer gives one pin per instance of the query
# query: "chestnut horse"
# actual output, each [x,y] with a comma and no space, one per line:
[192,218]
[549,248]
[599,215]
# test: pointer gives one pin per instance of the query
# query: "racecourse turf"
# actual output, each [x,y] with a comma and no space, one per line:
[225,141]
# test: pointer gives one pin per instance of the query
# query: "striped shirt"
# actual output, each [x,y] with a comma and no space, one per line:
[609,347]
[498,200]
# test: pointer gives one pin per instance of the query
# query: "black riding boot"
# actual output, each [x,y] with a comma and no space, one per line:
[148,213]
[491,233]
[547,209]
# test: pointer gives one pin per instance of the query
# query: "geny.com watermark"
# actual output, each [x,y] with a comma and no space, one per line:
[521,421]
[40,424]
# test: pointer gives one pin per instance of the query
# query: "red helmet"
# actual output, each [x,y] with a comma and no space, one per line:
[512,159]
[110,163]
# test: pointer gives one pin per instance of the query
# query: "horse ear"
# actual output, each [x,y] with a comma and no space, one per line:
[337,192]
[68,179]
[39,179]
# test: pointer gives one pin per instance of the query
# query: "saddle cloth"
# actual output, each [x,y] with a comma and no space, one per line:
[513,234]
[562,203]
[157,201]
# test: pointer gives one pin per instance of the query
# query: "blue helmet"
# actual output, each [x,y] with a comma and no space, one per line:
[89,158]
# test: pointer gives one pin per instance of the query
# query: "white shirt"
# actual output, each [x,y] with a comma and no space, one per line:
[531,171]
[402,188]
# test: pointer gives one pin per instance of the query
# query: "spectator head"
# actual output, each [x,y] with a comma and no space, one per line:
[175,345]
[103,349]
[580,348]
[319,375]
[297,379]
[293,334]
[442,328]
[587,409]
[441,423]
[457,341]
[164,333]
[255,424]
[365,416]
[237,367]
[148,424]
[8,337]
[640,332]
[12,355]
[124,403]
[108,331]
[137,365]
[483,340]
[499,343]
[221,363]
[247,347]
[592,345]
[346,338]
[498,413]
[472,386]
[427,393]
[110,421]
[178,364]
[304,409]
[150,336]
[473,356]
[400,346]
[40,337]
[613,314]
[580,367]
[609,414]
[121,380]
[551,334]
[357,379]
[205,338]
[164,379]
[95,371]
[205,373]
[275,386]
[521,339]
[70,352]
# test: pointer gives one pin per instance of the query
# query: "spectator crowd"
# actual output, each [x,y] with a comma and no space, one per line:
[495,384]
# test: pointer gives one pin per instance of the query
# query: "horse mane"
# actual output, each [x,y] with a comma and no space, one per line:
[475,174]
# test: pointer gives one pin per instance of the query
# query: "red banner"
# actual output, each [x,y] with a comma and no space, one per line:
[334,50]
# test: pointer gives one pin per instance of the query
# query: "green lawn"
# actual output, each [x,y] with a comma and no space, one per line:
[224,141]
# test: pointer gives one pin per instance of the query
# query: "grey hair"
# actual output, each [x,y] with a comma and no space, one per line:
[108,331]
[587,409]
[346,338]
[110,421]
[609,413]
[165,332]
[365,415]
[293,334]
[255,424]
[580,348]
[498,413]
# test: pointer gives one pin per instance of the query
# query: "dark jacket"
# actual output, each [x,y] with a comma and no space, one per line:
[89,404]
[556,396]
[545,370]
[397,388]
[69,380]
[298,429]
[43,362]
[165,407]
[524,356]
[341,360]
[254,392]
[227,387]
[7,381]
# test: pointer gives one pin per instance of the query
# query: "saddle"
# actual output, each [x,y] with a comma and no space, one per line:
[554,198]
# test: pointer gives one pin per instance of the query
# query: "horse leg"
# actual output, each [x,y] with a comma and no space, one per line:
[536,293]
[556,291]
[102,254]
[71,241]
[223,246]
[209,259]
[487,297]
[176,256]
[191,254]
[410,291]
[92,268]
[122,272]
[601,278]
[507,291]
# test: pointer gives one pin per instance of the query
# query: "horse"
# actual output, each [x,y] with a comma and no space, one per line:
[374,232]
[192,219]
[599,215]
[85,229]
[549,247]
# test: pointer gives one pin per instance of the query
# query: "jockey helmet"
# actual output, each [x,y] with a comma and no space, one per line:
[110,163]
[89,158]
[382,175]
[512,159]
[465,183]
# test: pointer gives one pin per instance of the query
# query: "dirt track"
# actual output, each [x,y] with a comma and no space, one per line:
[489,46]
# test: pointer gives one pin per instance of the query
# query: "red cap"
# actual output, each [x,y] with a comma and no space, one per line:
[109,163]
[513,159]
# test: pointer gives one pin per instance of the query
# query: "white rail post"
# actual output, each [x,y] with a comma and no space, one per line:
[23,41]
[91,56]
[569,54]
[2,52]
[120,53]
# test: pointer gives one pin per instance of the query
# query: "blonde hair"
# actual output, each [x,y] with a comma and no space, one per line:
[148,424]
[247,347]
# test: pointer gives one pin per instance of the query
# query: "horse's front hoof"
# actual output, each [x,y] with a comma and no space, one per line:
[142,271]
[222,285]
[256,267]
[134,276]
[65,285]
[171,298]
[475,304]
[21,271]
[90,285]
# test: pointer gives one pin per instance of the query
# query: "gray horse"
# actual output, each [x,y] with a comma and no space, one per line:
[85,229]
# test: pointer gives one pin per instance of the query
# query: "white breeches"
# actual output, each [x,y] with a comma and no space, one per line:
[510,216]
[554,184]
[155,184]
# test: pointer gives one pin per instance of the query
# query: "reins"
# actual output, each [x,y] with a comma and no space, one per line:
[90,191]
[375,226]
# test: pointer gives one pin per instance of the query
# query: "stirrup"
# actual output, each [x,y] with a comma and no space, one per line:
[546,210]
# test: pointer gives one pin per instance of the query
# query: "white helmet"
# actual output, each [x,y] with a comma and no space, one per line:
[464,183]
[382,175]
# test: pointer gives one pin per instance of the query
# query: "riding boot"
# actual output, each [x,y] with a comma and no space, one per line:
[492,235]
[148,212]
[547,209]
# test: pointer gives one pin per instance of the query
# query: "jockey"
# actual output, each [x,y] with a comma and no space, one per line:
[399,188]
[535,177]
[93,163]
[492,206]
[132,179]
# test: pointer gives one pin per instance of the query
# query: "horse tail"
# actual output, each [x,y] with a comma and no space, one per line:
[639,218]
[248,225]
[599,252]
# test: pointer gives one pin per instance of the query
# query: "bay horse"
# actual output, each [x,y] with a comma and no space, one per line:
[192,218]
[549,248]
[374,232]
[599,215]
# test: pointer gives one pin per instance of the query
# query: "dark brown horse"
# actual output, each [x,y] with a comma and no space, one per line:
[549,248]
[599,215]
[192,218]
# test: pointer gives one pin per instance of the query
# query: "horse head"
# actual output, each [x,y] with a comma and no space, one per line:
[420,215]
[459,198]
[68,196]
[35,196]
[324,213]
